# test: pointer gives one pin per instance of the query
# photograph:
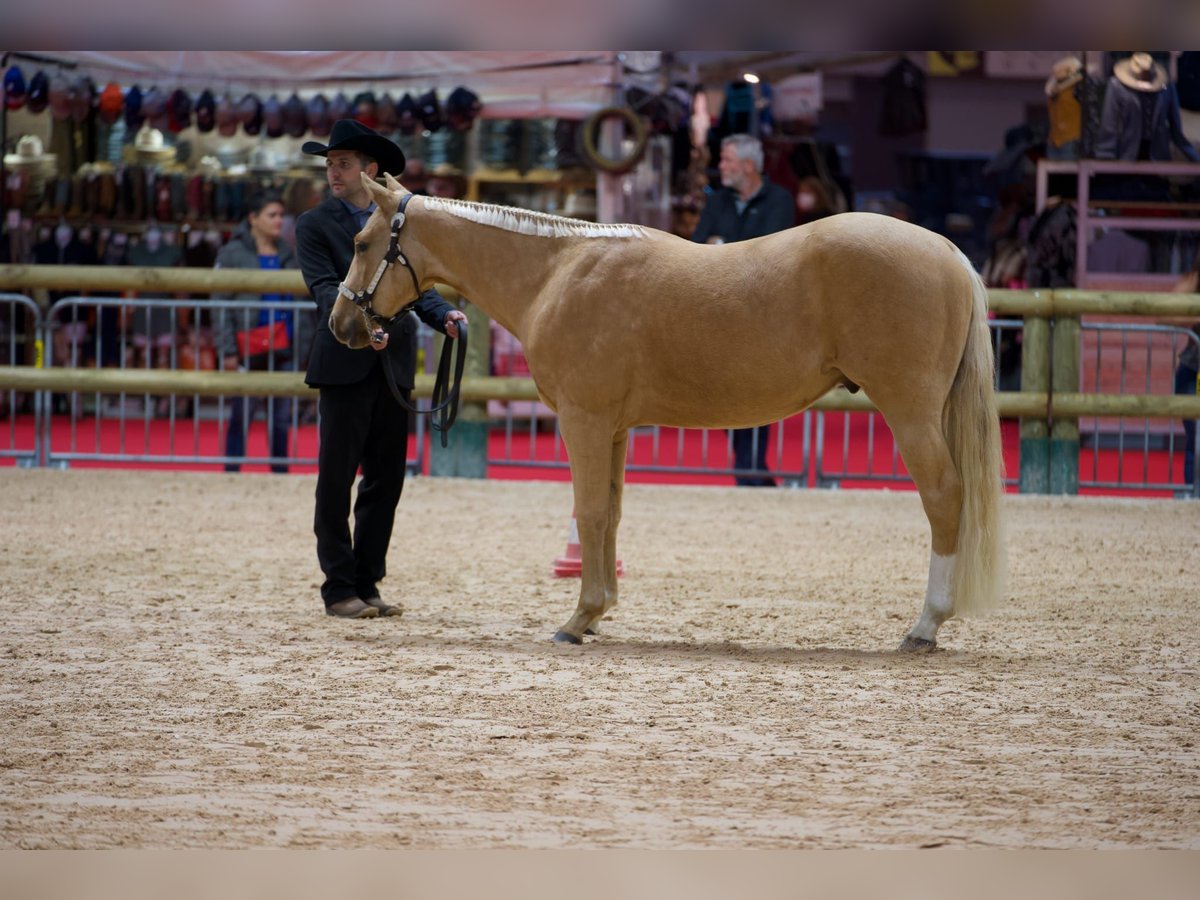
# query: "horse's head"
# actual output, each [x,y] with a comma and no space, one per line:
[373,289]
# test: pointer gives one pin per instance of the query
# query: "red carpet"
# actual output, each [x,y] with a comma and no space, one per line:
[152,439]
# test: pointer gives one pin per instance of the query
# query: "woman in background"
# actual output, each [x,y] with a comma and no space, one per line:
[257,244]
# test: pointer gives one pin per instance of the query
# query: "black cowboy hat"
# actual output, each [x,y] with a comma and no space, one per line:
[38,97]
[350,134]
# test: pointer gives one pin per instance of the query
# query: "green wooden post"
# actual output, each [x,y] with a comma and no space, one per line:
[465,453]
[1064,432]
[1034,476]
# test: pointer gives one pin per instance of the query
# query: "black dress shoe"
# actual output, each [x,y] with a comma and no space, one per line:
[351,608]
[385,609]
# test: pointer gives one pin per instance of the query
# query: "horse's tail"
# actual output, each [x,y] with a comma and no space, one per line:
[972,430]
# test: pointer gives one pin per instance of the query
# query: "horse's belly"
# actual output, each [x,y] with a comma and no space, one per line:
[722,403]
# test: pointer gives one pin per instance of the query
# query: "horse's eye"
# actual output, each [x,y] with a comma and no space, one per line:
[360,247]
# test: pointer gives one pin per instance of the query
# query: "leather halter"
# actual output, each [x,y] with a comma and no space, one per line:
[362,299]
[444,401]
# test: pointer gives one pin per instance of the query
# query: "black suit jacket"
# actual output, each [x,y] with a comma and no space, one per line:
[325,246]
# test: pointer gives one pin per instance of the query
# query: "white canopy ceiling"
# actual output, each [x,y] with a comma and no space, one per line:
[512,84]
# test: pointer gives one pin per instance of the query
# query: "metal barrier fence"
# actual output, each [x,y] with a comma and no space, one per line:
[857,447]
[20,324]
[528,440]
[150,427]
[1133,359]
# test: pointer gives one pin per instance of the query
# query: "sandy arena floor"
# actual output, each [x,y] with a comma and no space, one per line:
[169,681]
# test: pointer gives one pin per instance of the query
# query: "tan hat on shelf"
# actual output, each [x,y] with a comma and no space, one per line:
[30,154]
[1064,74]
[209,165]
[148,146]
[1141,73]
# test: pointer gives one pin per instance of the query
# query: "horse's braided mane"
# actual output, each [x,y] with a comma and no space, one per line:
[524,221]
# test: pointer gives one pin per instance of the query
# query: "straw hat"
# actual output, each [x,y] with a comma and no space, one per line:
[209,165]
[148,146]
[1064,74]
[1141,73]
[30,154]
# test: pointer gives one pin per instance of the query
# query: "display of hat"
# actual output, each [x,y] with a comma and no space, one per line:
[149,146]
[1064,74]
[30,154]
[263,161]
[179,111]
[306,164]
[154,109]
[350,134]
[110,103]
[206,112]
[1141,73]
[60,98]
[364,104]
[250,112]
[408,114]
[273,116]
[227,116]
[295,118]
[431,111]
[462,108]
[319,120]
[448,173]
[38,97]
[233,158]
[385,113]
[340,108]
[14,88]
[83,99]
[209,165]
[134,117]
[1019,141]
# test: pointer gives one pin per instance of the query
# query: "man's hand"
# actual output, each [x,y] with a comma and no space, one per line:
[379,339]
[452,318]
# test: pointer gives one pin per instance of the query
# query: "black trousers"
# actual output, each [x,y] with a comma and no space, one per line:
[361,425]
[750,453]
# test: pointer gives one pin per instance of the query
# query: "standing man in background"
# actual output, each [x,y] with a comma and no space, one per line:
[361,423]
[749,205]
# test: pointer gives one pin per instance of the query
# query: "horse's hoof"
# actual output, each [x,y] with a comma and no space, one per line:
[912,644]
[590,632]
[565,637]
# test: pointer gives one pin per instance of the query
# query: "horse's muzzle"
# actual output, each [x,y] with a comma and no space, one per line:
[346,323]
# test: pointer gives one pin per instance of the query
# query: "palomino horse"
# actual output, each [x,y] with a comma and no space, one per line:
[624,326]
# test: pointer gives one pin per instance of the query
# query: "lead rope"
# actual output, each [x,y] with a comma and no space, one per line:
[444,400]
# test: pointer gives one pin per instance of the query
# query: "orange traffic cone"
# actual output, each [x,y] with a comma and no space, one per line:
[570,564]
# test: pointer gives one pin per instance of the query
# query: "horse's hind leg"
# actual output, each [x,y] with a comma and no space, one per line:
[927,457]
[591,448]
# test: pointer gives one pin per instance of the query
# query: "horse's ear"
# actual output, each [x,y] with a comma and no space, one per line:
[392,183]
[378,190]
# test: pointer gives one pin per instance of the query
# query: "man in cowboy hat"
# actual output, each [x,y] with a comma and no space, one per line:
[361,423]
[1140,119]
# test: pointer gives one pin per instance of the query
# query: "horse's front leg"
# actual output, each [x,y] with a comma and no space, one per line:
[590,448]
[616,491]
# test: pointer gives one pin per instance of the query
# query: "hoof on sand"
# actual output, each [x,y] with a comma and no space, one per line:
[565,637]
[912,644]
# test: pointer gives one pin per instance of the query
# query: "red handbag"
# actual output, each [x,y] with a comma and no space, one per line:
[263,339]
